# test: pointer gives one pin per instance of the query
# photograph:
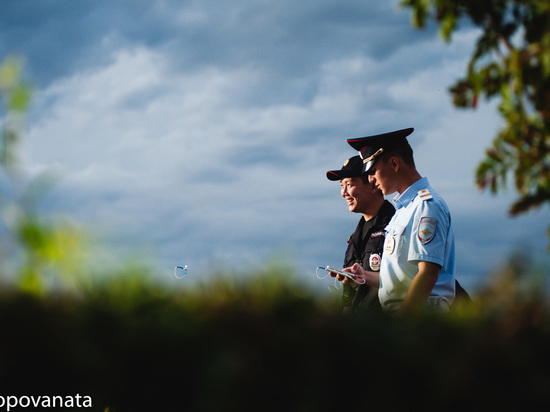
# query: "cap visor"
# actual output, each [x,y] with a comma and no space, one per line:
[367,166]
[361,142]
[340,174]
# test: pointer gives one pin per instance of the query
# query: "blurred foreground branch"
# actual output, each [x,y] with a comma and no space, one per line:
[38,253]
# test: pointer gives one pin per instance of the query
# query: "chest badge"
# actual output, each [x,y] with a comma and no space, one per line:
[390,245]
[374,262]
[426,229]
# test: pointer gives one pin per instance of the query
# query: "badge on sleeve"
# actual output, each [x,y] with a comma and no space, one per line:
[426,230]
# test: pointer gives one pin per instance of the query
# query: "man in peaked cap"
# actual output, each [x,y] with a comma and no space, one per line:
[417,271]
[365,245]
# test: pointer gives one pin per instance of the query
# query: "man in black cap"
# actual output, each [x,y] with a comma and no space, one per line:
[366,243]
[417,272]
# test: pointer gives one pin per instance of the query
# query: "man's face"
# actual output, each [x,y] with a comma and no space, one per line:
[380,176]
[357,193]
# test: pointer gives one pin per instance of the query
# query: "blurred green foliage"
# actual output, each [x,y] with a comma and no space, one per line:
[42,252]
[259,340]
[511,62]
[133,344]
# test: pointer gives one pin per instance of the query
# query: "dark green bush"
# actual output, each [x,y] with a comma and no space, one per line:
[240,346]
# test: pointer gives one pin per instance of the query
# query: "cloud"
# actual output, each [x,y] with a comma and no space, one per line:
[204,134]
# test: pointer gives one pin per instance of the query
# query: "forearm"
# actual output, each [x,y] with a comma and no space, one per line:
[371,278]
[420,288]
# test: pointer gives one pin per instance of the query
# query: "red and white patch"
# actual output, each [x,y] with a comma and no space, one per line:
[374,262]
[426,230]
[389,245]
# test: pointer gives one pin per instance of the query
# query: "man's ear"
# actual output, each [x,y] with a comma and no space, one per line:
[395,163]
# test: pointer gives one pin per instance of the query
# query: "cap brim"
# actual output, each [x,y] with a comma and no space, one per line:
[367,166]
[340,174]
[361,142]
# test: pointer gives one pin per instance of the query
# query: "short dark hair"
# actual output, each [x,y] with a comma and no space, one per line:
[404,152]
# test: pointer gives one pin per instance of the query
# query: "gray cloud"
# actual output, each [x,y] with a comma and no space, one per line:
[203,134]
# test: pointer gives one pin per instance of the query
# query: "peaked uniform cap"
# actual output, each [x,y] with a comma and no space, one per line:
[370,147]
[352,168]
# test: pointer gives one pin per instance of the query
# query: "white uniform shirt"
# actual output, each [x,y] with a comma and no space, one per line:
[420,230]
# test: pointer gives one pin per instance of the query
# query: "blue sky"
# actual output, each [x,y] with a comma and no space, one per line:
[200,132]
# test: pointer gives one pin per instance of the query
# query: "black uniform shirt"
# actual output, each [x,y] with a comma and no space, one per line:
[365,247]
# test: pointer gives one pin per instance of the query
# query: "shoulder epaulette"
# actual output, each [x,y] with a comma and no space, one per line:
[425,194]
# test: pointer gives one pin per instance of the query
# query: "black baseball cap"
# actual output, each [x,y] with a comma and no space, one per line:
[370,147]
[352,168]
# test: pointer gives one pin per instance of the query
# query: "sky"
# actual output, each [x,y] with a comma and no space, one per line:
[199,133]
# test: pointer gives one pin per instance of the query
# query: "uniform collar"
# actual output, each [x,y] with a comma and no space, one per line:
[405,198]
[381,219]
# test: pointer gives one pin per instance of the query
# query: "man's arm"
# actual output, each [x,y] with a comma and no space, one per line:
[371,278]
[420,288]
